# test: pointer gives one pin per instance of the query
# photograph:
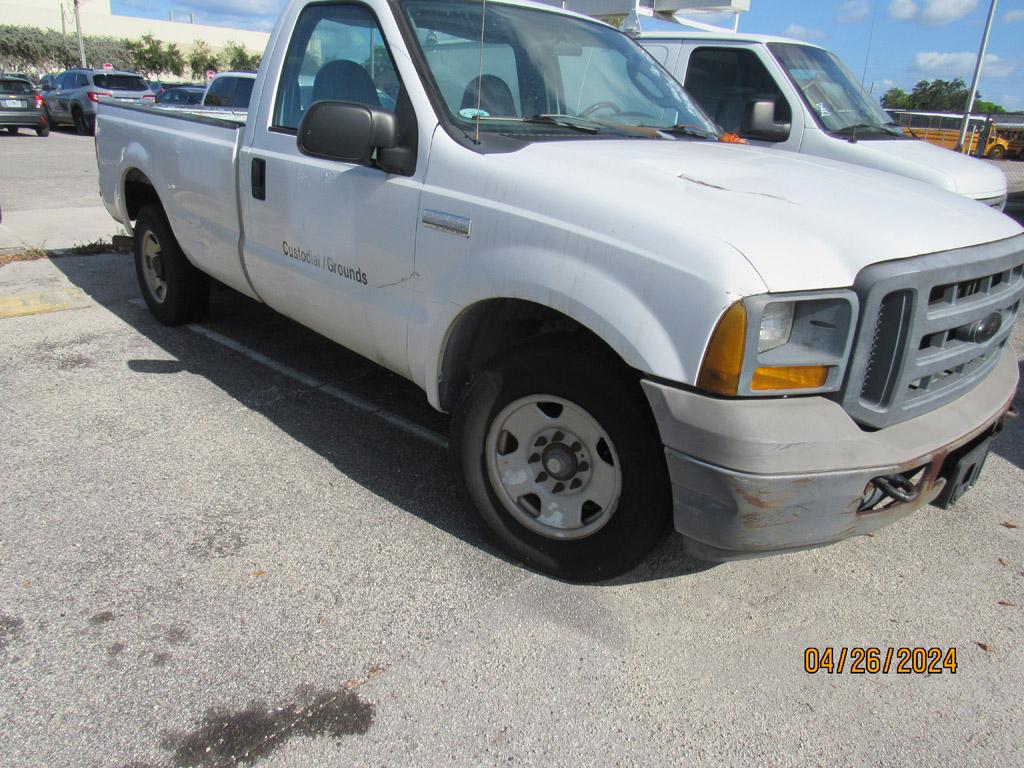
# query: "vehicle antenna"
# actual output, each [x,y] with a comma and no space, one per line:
[480,74]
[867,55]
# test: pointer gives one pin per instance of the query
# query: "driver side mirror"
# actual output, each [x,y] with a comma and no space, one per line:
[759,123]
[347,132]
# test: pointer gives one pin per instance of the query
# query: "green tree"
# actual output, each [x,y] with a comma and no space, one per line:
[201,59]
[235,56]
[936,96]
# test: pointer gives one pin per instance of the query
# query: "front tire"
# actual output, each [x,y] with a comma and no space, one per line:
[558,453]
[174,290]
[997,152]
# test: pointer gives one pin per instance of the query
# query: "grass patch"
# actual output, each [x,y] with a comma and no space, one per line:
[28,254]
[91,249]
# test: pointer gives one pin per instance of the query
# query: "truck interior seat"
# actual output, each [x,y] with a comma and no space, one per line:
[344,80]
[495,96]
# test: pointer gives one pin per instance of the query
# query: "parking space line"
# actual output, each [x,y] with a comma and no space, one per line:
[406,425]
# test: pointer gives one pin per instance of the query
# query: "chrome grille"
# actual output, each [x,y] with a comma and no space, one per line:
[931,328]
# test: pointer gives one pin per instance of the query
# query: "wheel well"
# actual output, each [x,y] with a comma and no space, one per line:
[491,327]
[138,192]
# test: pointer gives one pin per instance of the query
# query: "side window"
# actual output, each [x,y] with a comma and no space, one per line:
[82,80]
[337,53]
[220,92]
[725,80]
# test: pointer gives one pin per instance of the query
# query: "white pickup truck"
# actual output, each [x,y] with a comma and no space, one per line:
[632,322]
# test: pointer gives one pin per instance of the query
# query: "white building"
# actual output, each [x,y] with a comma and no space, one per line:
[97,19]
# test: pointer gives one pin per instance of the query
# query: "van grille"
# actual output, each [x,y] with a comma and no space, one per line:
[931,328]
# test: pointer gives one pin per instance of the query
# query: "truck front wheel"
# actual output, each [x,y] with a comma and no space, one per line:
[998,152]
[558,453]
[174,290]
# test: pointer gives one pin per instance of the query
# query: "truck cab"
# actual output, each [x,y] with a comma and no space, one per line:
[794,96]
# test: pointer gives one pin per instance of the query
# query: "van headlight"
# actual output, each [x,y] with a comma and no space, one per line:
[781,344]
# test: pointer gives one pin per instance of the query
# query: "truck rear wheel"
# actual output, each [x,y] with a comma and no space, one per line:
[174,290]
[558,453]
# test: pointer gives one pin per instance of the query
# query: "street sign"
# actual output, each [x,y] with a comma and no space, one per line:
[108,67]
[210,74]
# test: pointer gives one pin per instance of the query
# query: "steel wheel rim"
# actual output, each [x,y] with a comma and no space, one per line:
[153,268]
[553,467]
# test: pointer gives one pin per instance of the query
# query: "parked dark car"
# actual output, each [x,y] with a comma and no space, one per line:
[21,107]
[182,96]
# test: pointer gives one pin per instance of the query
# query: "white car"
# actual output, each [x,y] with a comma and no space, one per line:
[633,323]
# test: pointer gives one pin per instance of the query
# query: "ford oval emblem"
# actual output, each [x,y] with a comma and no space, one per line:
[984,330]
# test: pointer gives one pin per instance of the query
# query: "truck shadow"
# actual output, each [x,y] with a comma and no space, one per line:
[404,469]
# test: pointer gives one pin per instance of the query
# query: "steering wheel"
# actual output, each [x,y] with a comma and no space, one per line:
[615,108]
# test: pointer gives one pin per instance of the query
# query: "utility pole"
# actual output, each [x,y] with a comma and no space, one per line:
[977,75]
[78,29]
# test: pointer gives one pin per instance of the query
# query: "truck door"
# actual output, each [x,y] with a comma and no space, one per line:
[725,79]
[329,243]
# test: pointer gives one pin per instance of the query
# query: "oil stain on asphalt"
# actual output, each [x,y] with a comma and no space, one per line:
[227,738]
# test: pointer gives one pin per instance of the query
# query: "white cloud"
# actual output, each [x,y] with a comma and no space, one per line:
[803,33]
[852,11]
[903,9]
[961,64]
[1012,16]
[934,12]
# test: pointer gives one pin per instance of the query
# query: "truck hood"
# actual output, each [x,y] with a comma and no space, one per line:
[802,222]
[925,162]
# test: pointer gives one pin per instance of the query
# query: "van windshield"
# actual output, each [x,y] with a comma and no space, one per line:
[540,74]
[838,101]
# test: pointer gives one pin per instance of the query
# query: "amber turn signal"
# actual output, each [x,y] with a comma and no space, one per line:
[790,377]
[723,361]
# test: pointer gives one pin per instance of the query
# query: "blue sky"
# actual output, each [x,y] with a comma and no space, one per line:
[911,40]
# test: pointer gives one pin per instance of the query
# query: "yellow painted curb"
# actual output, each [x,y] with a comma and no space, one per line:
[43,302]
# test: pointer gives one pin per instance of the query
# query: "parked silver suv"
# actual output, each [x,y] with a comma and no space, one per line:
[72,98]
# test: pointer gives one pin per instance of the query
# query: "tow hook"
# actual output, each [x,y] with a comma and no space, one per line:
[897,487]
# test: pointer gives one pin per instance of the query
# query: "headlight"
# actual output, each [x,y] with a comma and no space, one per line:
[776,325]
[781,344]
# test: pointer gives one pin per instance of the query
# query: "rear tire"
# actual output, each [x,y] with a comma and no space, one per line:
[558,453]
[84,126]
[43,131]
[175,291]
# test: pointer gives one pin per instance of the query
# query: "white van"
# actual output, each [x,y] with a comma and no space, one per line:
[788,94]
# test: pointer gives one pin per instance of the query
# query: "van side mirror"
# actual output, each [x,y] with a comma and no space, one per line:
[347,132]
[759,123]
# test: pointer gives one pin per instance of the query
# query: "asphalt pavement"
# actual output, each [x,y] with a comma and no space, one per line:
[238,544]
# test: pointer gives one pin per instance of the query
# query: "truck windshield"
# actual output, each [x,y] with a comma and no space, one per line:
[538,74]
[837,100]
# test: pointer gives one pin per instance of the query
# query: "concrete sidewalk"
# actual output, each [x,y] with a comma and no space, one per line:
[56,228]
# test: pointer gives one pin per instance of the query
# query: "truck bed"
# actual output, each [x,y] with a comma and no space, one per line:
[191,160]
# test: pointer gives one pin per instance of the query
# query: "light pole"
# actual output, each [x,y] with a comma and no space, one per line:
[78,29]
[977,75]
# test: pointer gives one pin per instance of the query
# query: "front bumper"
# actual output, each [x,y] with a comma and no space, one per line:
[22,118]
[758,477]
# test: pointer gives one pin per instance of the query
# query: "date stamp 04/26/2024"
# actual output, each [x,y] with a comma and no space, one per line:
[869,660]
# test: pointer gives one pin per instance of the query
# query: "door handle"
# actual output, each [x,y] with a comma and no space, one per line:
[259,178]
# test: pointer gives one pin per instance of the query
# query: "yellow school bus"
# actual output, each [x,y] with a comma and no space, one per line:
[1014,135]
[943,130]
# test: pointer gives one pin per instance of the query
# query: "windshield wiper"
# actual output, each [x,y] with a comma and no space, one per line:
[682,130]
[858,127]
[566,121]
